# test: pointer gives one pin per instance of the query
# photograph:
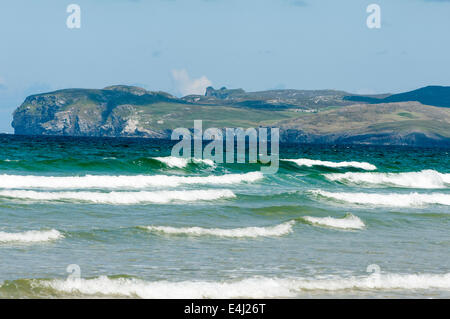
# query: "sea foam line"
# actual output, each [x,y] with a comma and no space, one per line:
[31,236]
[348,222]
[121,181]
[309,163]
[181,162]
[422,179]
[251,232]
[158,197]
[255,287]
[392,199]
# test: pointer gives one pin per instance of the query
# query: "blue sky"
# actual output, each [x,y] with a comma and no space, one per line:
[180,46]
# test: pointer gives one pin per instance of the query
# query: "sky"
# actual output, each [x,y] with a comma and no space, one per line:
[183,46]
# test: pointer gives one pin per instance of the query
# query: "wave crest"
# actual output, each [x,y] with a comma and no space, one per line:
[31,236]
[181,162]
[256,287]
[252,232]
[348,222]
[393,200]
[422,179]
[121,181]
[123,198]
[309,163]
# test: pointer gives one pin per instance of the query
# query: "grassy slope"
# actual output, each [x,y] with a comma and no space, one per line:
[430,95]
[403,117]
[183,115]
[393,117]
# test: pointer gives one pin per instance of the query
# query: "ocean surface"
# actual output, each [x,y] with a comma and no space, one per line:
[99,217]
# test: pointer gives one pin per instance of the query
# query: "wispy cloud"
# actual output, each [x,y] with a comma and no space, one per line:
[184,85]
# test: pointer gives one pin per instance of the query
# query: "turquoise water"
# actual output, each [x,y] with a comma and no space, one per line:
[140,224]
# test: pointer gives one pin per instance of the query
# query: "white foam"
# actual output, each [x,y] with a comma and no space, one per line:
[30,236]
[422,179]
[309,163]
[121,181]
[252,232]
[348,222]
[392,199]
[256,287]
[159,197]
[181,162]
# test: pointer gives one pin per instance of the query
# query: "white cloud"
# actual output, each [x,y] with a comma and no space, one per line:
[184,85]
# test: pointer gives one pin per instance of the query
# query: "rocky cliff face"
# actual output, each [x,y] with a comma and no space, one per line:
[77,112]
[124,111]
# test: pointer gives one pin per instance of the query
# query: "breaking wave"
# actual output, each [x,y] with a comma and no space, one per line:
[256,287]
[158,197]
[121,181]
[309,163]
[31,236]
[422,179]
[393,200]
[252,232]
[348,222]
[181,162]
